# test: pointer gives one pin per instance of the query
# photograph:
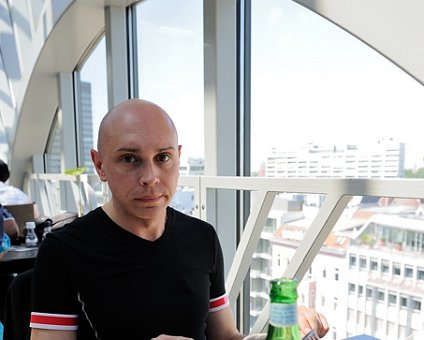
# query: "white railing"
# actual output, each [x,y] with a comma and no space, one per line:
[338,193]
[57,193]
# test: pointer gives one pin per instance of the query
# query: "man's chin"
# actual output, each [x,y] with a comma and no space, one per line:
[149,211]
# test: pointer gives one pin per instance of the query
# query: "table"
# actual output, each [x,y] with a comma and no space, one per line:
[262,336]
[18,259]
[362,337]
[20,253]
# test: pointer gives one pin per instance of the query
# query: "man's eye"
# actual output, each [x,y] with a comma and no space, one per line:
[129,159]
[163,157]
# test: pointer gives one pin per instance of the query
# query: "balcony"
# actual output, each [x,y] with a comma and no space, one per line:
[53,193]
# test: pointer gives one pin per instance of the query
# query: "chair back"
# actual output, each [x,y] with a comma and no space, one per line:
[17,312]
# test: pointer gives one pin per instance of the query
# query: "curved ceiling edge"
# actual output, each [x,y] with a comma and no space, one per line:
[388,26]
[80,24]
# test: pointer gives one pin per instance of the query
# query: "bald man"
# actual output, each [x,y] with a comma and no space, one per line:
[135,268]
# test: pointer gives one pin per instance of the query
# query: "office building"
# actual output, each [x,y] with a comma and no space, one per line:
[385,159]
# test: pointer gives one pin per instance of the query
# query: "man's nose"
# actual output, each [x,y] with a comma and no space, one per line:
[149,174]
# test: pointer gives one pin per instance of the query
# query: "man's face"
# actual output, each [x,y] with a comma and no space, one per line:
[140,160]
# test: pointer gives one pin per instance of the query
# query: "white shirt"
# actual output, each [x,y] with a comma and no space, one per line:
[11,195]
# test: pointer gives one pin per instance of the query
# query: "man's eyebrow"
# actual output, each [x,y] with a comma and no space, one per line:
[167,148]
[128,149]
[131,149]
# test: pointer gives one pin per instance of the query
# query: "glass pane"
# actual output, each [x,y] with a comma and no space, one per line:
[320,97]
[53,149]
[184,199]
[170,69]
[93,102]
[355,273]
[290,217]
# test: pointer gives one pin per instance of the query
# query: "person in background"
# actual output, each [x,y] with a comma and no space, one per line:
[4,238]
[4,248]
[8,193]
[135,268]
[10,227]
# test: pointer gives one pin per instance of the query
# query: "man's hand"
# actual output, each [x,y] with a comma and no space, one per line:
[309,319]
[170,337]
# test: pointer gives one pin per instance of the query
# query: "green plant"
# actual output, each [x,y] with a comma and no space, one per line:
[76,171]
[367,239]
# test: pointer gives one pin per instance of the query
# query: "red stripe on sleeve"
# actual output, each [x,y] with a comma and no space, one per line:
[219,302]
[52,319]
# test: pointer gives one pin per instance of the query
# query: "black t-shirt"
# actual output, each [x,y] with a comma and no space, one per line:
[108,283]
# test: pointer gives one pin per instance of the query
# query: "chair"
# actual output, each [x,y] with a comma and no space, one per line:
[18,308]
[22,213]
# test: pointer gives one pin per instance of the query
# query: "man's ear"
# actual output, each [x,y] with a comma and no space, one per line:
[97,161]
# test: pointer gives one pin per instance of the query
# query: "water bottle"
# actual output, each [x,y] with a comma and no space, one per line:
[31,238]
[283,310]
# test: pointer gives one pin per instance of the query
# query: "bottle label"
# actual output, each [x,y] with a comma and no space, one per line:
[31,239]
[283,315]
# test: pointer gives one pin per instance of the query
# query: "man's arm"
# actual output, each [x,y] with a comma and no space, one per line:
[46,334]
[221,326]
[11,228]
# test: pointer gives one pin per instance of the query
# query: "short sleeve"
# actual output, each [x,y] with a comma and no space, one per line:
[54,300]
[1,225]
[6,214]
[218,296]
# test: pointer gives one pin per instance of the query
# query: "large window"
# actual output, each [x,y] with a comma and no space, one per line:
[92,102]
[53,148]
[324,104]
[320,94]
[170,68]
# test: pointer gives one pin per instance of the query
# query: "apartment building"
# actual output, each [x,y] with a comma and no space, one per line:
[386,277]
[367,278]
[384,159]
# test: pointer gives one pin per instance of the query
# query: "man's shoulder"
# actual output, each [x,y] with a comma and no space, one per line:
[180,216]
[73,238]
[80,227]
[189,222]
[92,216]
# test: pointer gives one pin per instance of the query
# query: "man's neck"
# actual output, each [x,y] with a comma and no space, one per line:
[148,229]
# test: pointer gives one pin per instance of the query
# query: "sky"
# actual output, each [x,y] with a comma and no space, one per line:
[311,81]
[317,83]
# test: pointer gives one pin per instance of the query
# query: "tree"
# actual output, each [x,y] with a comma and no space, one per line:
[409,173]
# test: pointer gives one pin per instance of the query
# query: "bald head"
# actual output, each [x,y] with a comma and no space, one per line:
[139,157]
[132,113]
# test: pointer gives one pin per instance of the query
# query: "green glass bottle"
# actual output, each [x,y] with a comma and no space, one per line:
[283,310]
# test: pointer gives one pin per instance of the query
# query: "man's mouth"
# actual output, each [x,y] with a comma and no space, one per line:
[149,198]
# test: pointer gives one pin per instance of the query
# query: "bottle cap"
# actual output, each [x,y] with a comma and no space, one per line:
[30,225]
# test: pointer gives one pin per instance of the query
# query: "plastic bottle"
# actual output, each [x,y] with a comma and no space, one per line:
[283,310]
[31,238]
